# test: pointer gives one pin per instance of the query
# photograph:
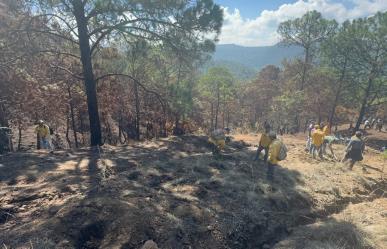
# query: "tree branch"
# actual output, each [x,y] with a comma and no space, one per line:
[136,81]
[57,52]
[60,18]
[67,71]
[48,32]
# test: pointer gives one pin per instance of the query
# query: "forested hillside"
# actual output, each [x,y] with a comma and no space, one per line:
[124,125]
[238,70]
[98,76]
[257,57]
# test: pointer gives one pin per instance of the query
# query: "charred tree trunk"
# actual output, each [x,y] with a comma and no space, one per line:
[228,119]
[338,93]
[90,83]
[217,108]
[120,133]
[3,117]
[177,130]
[68,132]
[224,111]
[212,116]
[71,103]
[19,142]
[137,100]
[109,135]
[82,127]
[364,103]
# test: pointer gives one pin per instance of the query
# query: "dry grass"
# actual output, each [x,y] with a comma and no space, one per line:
[174,192]
[331,234]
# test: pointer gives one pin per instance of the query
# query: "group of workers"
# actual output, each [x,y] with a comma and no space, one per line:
[373,122]
[316,142]
[274,149]
[319,139]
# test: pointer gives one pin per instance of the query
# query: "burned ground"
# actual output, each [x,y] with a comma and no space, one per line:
[174,192]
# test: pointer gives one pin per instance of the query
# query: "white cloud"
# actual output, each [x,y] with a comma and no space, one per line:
[261,31]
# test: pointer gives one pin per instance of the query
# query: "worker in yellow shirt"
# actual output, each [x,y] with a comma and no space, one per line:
[218,141]
[317,141]
[264,144]
[274,150]
[326,129]
[43,132]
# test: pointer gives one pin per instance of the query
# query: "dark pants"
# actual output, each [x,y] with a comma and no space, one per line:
[259,150]
[270,171]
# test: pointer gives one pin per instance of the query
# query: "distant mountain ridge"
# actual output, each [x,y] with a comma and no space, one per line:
[252,59]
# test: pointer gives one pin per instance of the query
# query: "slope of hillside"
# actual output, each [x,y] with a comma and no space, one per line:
[256,57]
[173,191]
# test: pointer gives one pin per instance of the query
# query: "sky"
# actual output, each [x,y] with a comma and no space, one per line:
[255,22]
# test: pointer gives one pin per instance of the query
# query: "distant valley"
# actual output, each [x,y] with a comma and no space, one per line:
[245,62]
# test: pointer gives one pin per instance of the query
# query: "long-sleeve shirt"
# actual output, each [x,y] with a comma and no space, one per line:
[274,150]
[318,137]
[326,130]
[265,140]
[43,131]
[356,144]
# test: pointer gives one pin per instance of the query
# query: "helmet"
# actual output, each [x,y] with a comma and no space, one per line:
[40,121]
[272,135]
[358,134]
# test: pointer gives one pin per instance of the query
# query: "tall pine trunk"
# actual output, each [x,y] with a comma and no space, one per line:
[90,84]
[364,103]
[137,100]
[303,79]
[68,131]
[71,103]
[212,116]
[217,108]
[338,93]
[3,117]
[304,69]
[19,142]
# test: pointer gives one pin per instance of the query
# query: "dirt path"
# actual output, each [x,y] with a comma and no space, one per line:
[173,192]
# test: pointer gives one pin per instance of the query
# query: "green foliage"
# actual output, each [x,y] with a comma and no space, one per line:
[289,103]
[238,70]
[218,81]
[307,31]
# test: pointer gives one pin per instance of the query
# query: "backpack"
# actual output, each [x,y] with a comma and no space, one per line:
[283,152]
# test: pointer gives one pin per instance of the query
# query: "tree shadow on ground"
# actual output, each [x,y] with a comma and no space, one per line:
[172,191]
[181,197]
